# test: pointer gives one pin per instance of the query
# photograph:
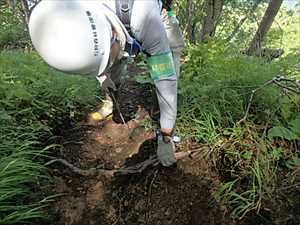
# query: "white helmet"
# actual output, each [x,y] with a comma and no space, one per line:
[71,36]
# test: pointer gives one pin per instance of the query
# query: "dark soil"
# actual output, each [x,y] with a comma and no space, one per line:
[180,195]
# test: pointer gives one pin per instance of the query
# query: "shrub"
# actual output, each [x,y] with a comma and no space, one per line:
[215,89]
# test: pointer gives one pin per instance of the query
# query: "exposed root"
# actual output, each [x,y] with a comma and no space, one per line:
[88,172]
[138,168]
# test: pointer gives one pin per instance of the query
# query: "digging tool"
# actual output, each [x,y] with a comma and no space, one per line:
[118,108]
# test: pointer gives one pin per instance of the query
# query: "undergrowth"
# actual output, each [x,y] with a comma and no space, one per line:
[34,100]
[215,89]
[13,31]
[257,160]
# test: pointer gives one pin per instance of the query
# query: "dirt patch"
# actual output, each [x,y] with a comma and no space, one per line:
[178,195]
[166,196]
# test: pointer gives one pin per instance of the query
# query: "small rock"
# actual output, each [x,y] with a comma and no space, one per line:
[118,150]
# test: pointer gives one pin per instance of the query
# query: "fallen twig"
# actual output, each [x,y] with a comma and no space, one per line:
[287,87]
[276,80]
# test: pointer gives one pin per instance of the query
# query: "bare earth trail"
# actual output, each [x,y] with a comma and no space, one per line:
[180,195]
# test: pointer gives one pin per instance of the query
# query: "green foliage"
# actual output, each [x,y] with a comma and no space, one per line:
[291,132]
[284,32]
[219,83]
[293,163]
[34,99]
[215,89]
[255,176]
[283,132]
[233,13]
[191,25]
[13,32]
[17,172]
[29,89]
[290,64]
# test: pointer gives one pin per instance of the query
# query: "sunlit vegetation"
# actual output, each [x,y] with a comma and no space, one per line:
[253,138]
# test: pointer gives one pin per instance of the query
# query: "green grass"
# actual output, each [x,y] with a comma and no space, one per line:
[34,99]
[214,93]
[215,87]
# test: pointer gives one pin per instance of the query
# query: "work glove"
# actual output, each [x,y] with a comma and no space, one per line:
[165,149]
[106,83]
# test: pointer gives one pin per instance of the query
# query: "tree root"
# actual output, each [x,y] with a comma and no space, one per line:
[135,169]
[87,172]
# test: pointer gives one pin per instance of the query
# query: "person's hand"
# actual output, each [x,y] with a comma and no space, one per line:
[106,83]
[165,150]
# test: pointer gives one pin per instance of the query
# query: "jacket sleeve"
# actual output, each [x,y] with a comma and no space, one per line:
[149,29]
[166,91]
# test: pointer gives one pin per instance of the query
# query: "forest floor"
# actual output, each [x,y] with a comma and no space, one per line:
[179,195]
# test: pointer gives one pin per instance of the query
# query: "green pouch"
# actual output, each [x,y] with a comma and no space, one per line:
[161,66]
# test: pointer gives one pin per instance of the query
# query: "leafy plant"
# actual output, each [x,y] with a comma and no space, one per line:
[261,185]
[215,88]
[282,132]
[293,163]
[34,101]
